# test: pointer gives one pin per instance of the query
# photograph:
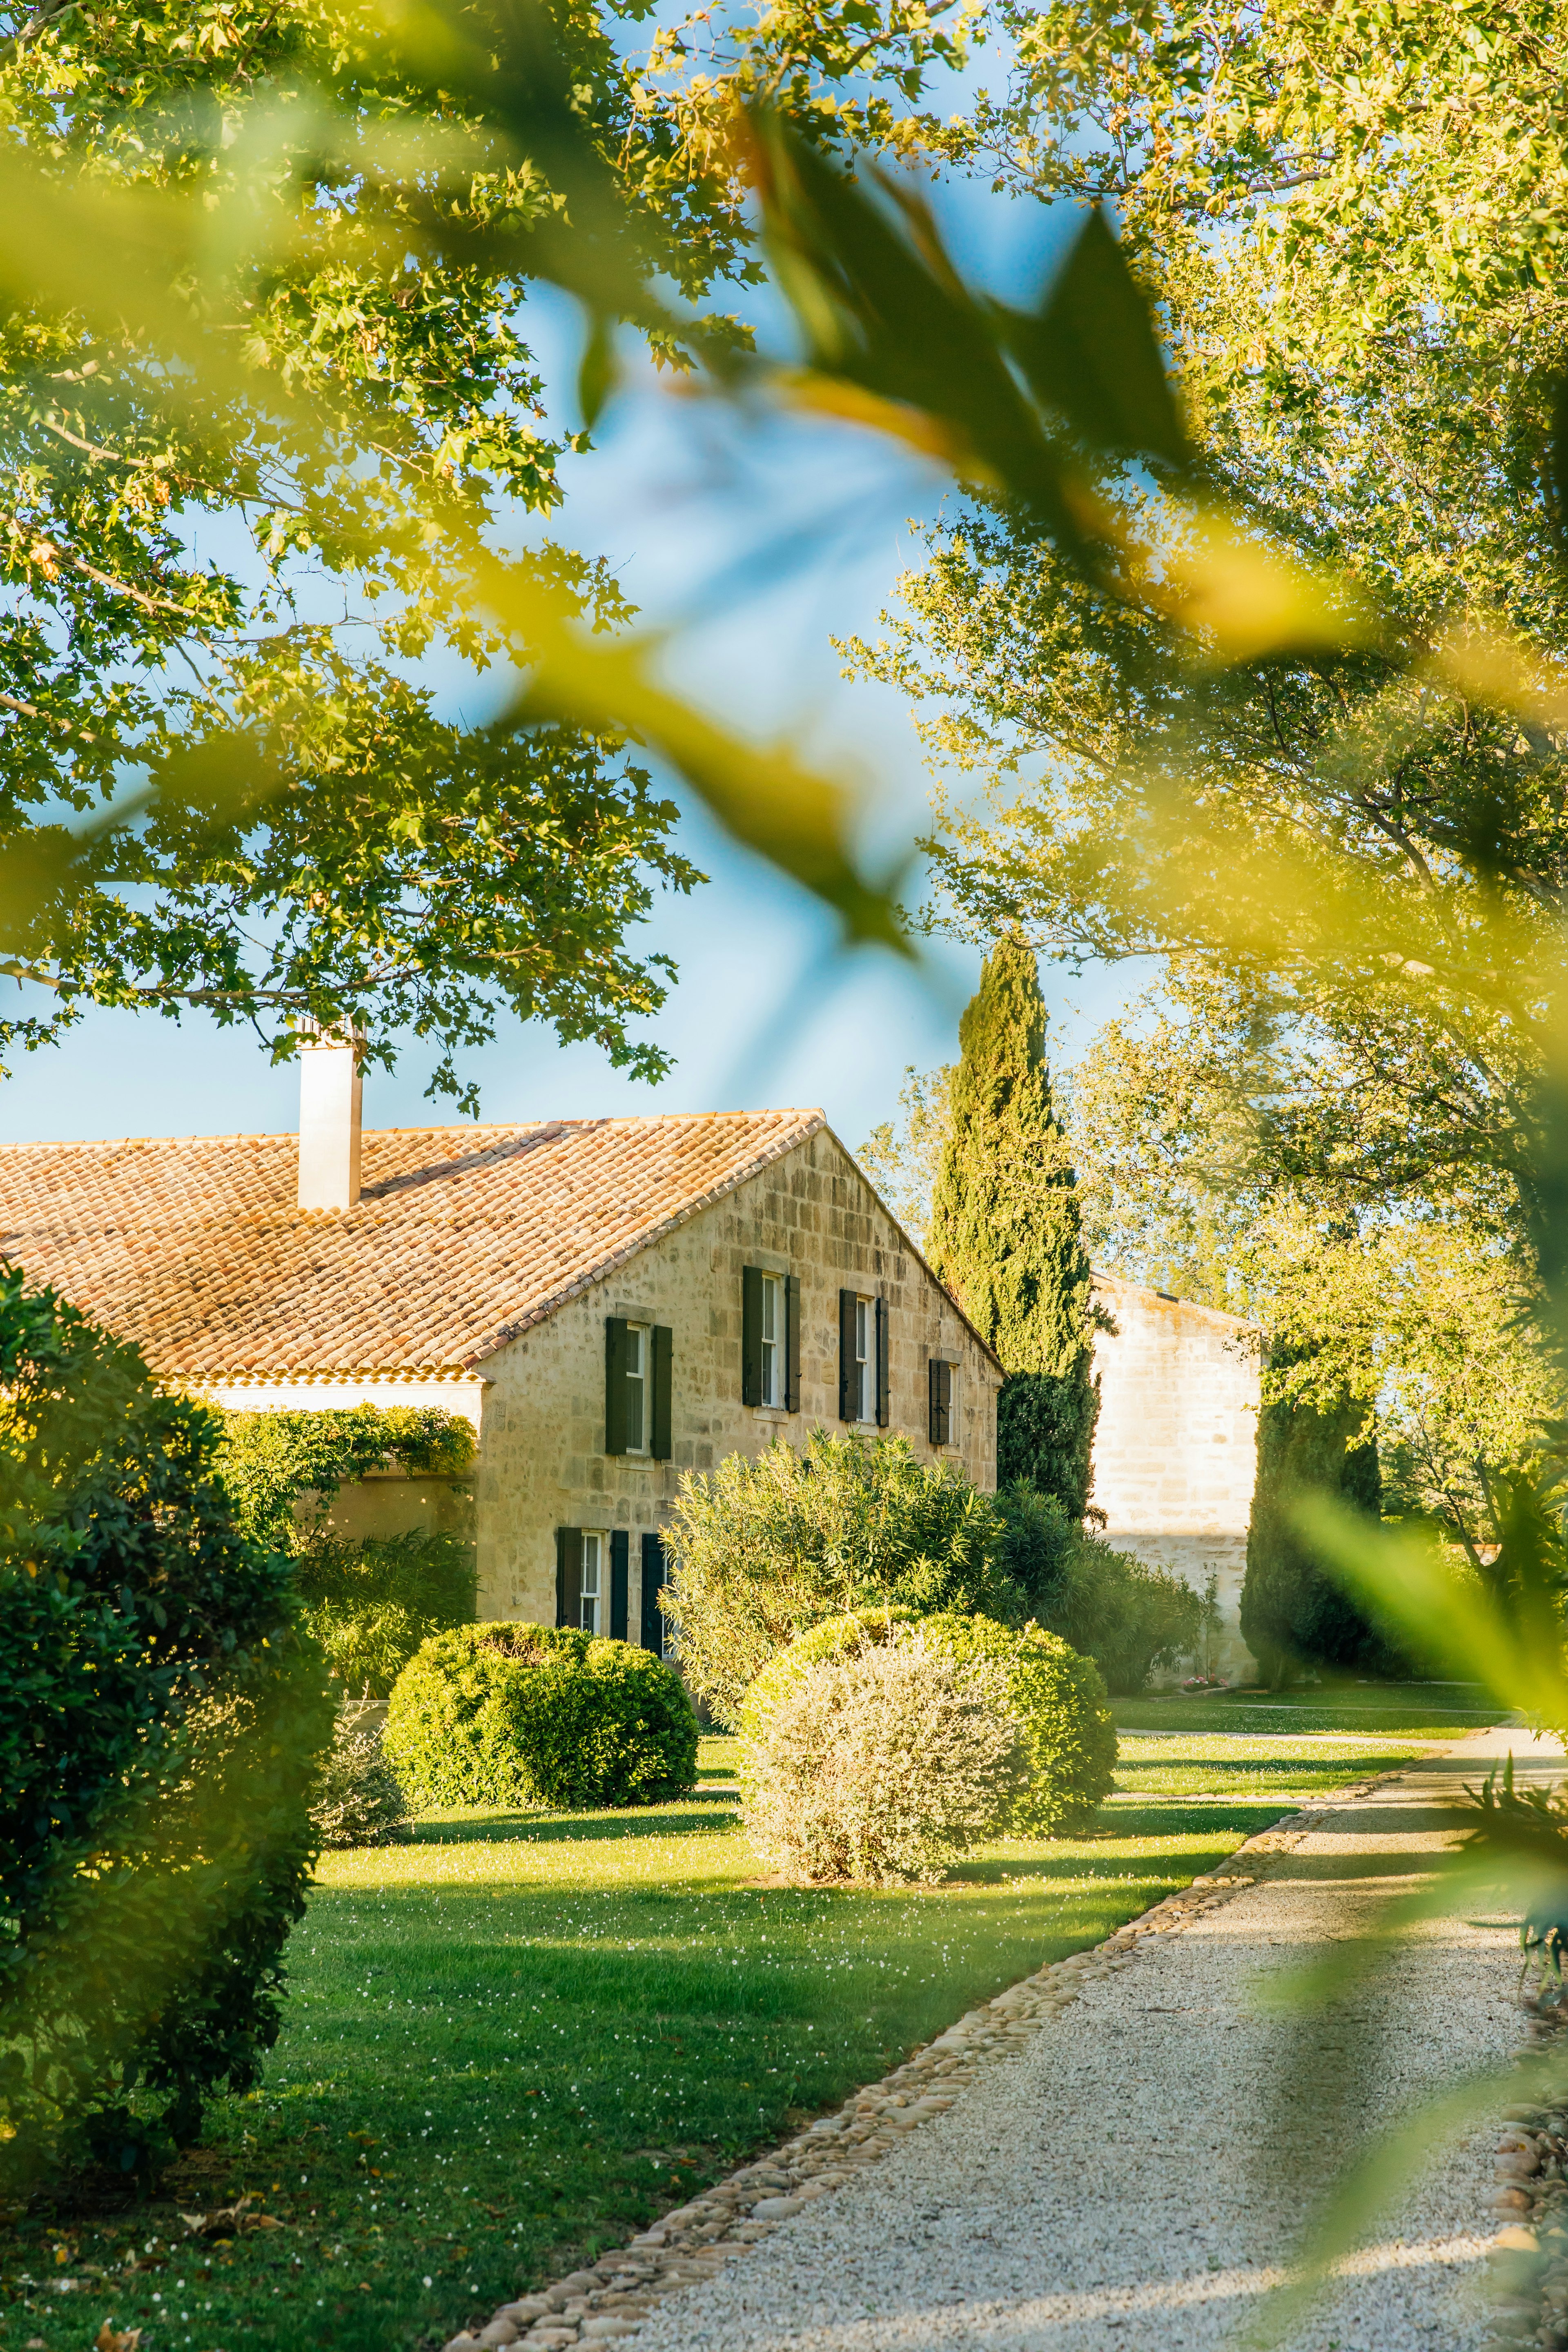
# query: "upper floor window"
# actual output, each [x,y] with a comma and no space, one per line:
[863,1359]
[769,1340]
[637,1388]
[942,1401]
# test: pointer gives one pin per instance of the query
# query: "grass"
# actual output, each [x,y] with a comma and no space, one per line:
[517,2038]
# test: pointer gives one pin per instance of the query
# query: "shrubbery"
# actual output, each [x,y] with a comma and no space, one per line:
[357,1798]
[882,1763]
[160,1721]
[759,1551]
[270,1460]
[1054,1698]
[370,1603]
[1128,1617]
[510,1714]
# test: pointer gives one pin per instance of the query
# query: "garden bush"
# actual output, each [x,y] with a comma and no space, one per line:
[1056,1697]
[370,1605]
[161,1715]
[1128,1617]
[509,1714]
[759,1551]
[358,1799]
[880,1762]
[271,1461]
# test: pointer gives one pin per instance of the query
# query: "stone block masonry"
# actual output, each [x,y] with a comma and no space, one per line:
[1175,1452]
[810,1213]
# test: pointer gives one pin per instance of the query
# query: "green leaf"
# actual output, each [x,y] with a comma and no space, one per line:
[1090,352]
[597,371]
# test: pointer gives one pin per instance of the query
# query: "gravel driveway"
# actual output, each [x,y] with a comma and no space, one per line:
[1109,2183]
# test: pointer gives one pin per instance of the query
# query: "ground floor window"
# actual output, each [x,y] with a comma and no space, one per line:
[590,1597]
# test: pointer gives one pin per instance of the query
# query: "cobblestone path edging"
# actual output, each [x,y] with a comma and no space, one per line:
[1529,2263]
[607,2302]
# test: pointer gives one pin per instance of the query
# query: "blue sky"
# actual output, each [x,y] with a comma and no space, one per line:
[766,1010]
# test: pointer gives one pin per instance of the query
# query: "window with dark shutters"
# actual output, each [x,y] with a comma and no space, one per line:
[620,1568]
[883,1384]
[654,1630]
[751,1335]
[568,1575]
[617,1349]
[663,1340]
[792,1343]
[941,1402]
[848,1357]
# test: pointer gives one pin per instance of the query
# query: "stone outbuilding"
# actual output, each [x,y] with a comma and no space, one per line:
[1176,1449]
[611,1302]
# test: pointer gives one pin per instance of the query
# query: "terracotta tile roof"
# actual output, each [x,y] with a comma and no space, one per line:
[462,1236]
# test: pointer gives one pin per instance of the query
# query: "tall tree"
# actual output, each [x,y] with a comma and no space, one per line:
[1368,846]
[1005,1232]
[270,427]
[1292,1614]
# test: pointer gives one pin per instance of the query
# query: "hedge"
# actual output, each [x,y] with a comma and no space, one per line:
[508,1714]
[161,1717]
[1056,1697]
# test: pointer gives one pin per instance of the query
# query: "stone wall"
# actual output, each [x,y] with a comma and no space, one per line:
[811,1213]
[1175,1452]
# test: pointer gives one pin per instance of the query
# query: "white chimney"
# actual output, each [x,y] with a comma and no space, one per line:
[329,1118]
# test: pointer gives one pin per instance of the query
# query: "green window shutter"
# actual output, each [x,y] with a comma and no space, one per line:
[568,1575]
[615,1384]
[751,1335]
[663,1349]
[792,1343]
[941,1378]
[848,1377]
[881,1363]
[653,1627]
[620,1564]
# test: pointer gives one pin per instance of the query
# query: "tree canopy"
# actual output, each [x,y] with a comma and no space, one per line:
[1348,836]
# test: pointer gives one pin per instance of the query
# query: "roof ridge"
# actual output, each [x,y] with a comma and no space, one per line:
[427,1127]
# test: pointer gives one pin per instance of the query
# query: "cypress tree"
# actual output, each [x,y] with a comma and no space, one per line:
[1006,1235]
[1292,1614]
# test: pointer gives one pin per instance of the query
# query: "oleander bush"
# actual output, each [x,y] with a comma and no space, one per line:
[161,1717]
[1056,1698]
[358,1799]
[759,1551]
[880,1762]
[509,1714]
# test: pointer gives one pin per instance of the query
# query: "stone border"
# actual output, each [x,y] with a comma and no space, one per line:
[1528,2272]
[608,2300]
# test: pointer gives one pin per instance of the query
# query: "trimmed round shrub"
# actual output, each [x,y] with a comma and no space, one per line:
[510,1714]
[1056,1697]
[880,1765]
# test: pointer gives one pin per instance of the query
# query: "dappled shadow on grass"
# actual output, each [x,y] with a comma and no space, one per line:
[696,1816]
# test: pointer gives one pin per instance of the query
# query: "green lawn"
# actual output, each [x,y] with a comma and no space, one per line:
[518,2037]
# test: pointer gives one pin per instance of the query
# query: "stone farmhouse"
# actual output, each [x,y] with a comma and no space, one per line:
[609,1301]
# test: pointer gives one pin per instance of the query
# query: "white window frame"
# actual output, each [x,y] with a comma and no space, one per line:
[774,1341]
[865,1357]
[590,1602]
[638,1385]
